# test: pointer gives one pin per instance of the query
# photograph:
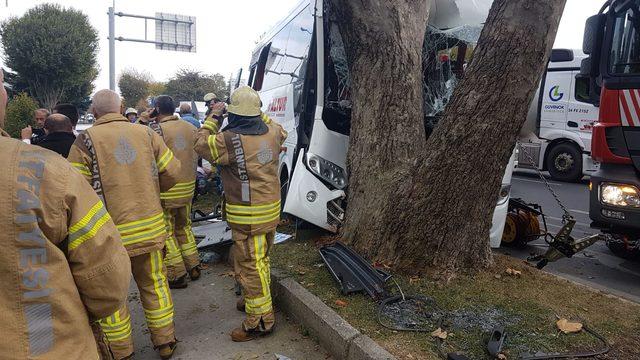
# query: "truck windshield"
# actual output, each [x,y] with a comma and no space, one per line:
[625,45]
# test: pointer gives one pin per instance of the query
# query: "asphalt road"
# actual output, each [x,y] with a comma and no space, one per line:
[597,266]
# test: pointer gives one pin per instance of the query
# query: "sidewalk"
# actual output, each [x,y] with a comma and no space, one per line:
[206,314]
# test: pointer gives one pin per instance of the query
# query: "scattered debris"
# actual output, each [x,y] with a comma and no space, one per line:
[227,274]
[568,327]
[414,279]
[282,357]
[502,357]
[496,340]
[210,257]
[513,272]
[280,238]
[353,273]
[498,276]
[341,303]
[439,333]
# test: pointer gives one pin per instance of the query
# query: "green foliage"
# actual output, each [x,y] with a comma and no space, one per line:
[52,51]
[189,85]
[134,86]
[157,88]
[19,114]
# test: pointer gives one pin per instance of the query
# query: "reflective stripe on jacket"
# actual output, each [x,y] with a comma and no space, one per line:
[135,165]
[180,137]
[249,170]
[62,263]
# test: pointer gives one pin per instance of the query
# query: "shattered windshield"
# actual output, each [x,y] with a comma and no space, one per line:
[445,56]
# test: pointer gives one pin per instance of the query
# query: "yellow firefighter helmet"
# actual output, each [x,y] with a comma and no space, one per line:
[209,97]
[130,111]
[245,102]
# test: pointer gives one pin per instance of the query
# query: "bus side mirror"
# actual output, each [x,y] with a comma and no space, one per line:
[592,44]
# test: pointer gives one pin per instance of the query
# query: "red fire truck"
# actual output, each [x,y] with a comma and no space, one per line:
[612,41]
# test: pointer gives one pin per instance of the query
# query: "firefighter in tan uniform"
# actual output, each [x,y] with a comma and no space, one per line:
[181,253]
[62,264]
[129,165]
[248,150]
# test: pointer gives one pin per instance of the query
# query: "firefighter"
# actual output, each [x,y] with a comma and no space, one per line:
[132,115]
[181,254]
[248,153]
[129,165]
[63,264]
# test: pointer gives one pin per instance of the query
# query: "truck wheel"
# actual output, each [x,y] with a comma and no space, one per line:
[565,163]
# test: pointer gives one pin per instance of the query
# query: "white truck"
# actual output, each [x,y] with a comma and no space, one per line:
[300,70]
[556,136]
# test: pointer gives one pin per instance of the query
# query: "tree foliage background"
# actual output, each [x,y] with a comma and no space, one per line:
[134,86]
[19,114]
[51,51]
[189,85]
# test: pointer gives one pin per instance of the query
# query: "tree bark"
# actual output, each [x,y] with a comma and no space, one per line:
[416,204]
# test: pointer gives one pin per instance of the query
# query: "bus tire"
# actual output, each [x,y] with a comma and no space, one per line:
[564,162]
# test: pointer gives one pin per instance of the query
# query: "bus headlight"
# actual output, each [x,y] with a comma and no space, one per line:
[327,171]
[620,195]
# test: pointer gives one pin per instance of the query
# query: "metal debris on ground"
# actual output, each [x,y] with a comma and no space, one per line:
[282,357]
[210,257]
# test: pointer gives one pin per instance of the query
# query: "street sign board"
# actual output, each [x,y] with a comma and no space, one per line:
[175,32]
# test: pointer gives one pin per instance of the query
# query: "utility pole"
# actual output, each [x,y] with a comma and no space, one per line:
[112,49]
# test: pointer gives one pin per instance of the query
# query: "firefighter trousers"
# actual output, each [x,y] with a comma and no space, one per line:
[253,272]
[182,252]
[149,273]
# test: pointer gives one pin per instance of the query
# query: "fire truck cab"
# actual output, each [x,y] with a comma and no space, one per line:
[612,41]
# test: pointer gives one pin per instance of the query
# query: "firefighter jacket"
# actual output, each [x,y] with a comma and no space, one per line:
[180,137]
[249,171]
[62,263]
[128,165]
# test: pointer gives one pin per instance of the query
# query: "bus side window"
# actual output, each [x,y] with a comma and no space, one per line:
[259,70]
[251,75]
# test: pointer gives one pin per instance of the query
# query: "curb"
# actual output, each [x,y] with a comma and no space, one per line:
[336,335]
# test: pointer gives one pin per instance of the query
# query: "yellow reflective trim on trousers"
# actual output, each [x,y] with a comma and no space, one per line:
[159,280]
[143,224]
[262,305]
[82,168]
[164,160]
[116,330]
[212,147]
[253,220]
[252,209]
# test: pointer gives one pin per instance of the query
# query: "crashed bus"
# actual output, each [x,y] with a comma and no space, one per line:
[300,70]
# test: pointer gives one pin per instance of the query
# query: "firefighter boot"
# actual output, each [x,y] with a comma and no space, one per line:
[166,351]
[195,273]
[241,335]
[179,283]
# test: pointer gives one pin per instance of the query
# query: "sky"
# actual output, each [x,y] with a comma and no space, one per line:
[227,31]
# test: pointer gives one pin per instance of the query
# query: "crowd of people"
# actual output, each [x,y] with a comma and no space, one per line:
[113,204]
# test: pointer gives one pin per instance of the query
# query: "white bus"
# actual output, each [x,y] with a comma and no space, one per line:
[300,70]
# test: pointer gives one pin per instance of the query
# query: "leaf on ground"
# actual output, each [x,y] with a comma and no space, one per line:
[341,303]
[439,333]
[502,357]
[513,272]
[414,279]
[228,274]
[568,327]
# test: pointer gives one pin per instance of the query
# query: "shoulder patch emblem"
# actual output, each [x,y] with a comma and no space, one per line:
[124,153]
[265,155]
[180,143]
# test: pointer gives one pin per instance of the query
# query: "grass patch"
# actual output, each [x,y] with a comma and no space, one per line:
[526,306]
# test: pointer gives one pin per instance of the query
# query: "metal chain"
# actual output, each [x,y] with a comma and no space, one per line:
[566,216]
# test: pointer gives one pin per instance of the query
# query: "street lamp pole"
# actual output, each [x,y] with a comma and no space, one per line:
[112,49]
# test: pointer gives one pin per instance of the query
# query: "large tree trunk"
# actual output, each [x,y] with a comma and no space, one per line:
[418,204]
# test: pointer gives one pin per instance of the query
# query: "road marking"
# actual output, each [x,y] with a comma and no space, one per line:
[579,211]
[535,181]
